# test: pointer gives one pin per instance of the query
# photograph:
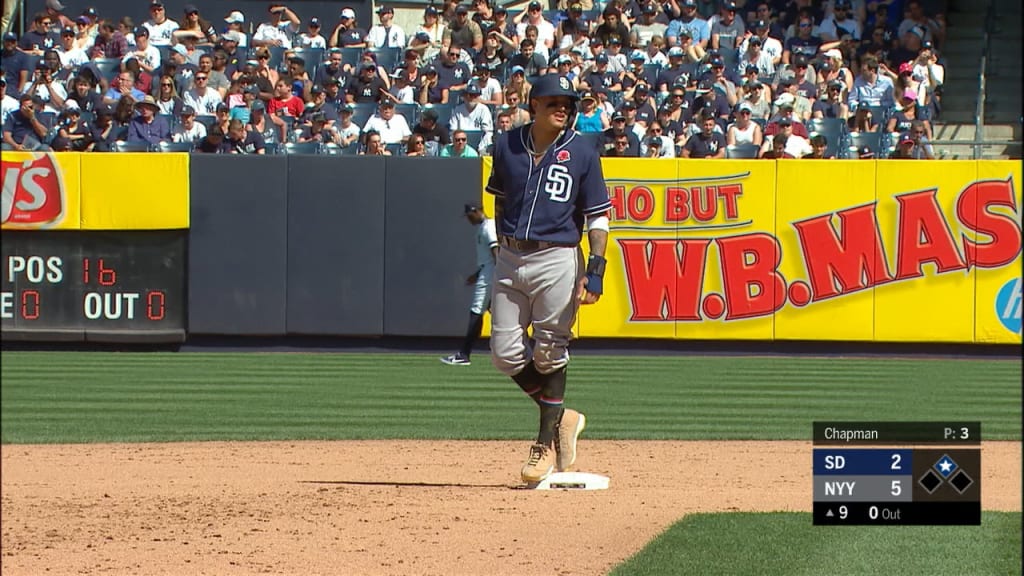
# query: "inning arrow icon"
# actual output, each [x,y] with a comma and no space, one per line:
[829,514]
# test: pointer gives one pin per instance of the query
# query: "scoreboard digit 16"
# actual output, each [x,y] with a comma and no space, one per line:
[100,286]
[914,473]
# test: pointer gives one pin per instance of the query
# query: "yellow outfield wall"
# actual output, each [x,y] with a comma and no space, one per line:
[92,191]
[853,250]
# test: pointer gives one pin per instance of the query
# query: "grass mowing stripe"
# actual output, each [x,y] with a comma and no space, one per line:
[169,396]
[787,544]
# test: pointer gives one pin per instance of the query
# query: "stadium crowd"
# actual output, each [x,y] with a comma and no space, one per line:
[754,79]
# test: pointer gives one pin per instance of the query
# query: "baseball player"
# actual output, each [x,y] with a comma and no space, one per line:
[547,183]
[481,280]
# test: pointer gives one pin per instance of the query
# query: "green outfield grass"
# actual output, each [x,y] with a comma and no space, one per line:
[48,397]
[745,544]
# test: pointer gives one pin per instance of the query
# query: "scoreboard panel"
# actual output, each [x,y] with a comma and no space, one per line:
[899,481]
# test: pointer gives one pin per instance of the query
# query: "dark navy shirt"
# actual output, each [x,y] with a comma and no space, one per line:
[548,201]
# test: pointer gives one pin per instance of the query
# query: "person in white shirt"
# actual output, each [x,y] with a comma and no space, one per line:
[8,104]
[348,132]
[236,23]
[202,98]
[188,130]
[311,38]
[147,55]
[401,90]
[393,129]
[70,56]
[490,90]
[161,28]
[471,115]
[279,30]
[533,16]
[386,34]
[843,18]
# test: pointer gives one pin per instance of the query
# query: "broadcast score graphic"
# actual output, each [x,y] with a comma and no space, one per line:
[96,286]
[914,473]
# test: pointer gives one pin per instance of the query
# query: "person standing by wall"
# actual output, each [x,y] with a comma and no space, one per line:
[481,280]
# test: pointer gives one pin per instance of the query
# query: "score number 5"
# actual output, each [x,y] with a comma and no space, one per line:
[897,485]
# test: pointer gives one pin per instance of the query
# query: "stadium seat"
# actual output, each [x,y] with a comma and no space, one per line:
[444,112]
[332,149]
[473,138]
[132,147]
[108,67]
[361,112]
[313,58]
[271,148]
[410,111]
[834,131]
[744,151]
[206,120]
[388,57]
[302,148]
[872,140]
[171,119]
[351,56]
[395,149]
[176,146]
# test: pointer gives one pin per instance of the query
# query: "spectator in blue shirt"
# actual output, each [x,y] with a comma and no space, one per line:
[22,130]
[699,29]
[123,85]
[147,126]
[870,87]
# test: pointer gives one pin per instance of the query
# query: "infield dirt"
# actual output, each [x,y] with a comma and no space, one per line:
[384,507]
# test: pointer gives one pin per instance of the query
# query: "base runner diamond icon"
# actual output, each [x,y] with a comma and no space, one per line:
[946,466]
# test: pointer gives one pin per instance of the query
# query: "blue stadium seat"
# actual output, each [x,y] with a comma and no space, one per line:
[444,112]
[171,119]
[132,147]
[361,112]
[271,148]
[206,120]
[313,58]
[833,129]
[745,151]
[410,111]
[387,57]
[176,146]
[332,149]
[302,148]
[395,149]
[473,138]
[108,67]
[351,56]
[872,140]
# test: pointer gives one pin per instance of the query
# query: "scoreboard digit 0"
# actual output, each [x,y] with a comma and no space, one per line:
[900,483]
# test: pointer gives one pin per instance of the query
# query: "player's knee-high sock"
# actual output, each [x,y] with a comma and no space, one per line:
[530,381]
[476,326]
[551,409]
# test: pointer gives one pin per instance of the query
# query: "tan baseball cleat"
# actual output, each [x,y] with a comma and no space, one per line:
[540,464]
[568,432]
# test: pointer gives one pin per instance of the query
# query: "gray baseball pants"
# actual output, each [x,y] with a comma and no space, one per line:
[534,288]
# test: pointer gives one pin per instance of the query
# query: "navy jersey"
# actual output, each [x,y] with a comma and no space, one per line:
[547,202]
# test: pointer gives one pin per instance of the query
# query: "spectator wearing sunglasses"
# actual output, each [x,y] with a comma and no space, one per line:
[201,97]
[459,148]
[311,38]
[803,42]
[161,28]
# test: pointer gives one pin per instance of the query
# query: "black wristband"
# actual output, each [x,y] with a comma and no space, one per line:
[595,265]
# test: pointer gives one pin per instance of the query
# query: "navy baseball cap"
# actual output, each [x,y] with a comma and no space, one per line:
[761,24]
[462,9]
[473,90]
[223,107]
[139,31]
[601,58]
[258,106]
[10,37]
[187,110]
[553,85]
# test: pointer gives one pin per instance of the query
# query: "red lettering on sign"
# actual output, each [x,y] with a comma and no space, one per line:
[924,236]
[753,285]
[664,284]
[844,261]
[972,208]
